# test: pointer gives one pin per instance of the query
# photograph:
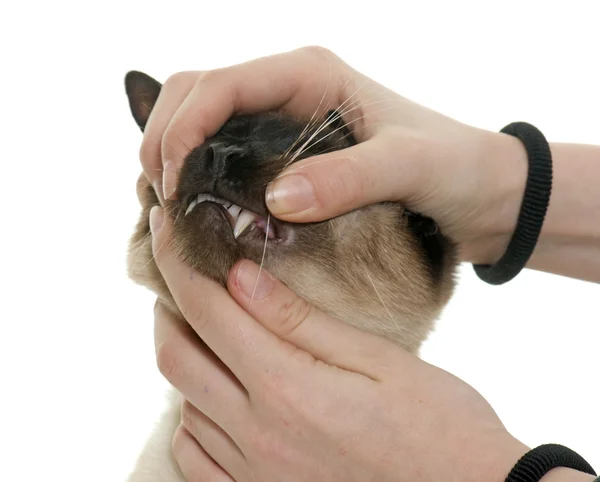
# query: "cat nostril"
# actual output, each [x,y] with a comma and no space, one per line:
[220,156]
[210,158]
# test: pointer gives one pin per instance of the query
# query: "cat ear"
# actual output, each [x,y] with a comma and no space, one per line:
[142,91]
[339,123]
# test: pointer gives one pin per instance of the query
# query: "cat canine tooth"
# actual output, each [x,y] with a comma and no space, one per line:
[201,198]
[190,207]
[234,210]
[245,219]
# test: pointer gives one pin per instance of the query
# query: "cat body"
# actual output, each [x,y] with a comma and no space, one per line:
[379,268]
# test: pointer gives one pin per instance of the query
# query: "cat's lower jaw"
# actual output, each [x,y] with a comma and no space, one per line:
[156,463]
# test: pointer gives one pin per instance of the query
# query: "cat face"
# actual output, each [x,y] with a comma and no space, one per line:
[378,268]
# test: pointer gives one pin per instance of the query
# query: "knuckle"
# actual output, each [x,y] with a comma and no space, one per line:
[141,187]
[292,314]
[221,80]
[183,452]
[359,180]
[321,53]
[168,361]
[171,142]
[350,186]
[209,76]
[149,152]
[187,416]
[197,314]
[158,309]
[179,440]
[179,79]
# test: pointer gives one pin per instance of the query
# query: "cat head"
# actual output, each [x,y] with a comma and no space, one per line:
[379,268]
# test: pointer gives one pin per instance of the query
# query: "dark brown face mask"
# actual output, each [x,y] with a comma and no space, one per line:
[375,267]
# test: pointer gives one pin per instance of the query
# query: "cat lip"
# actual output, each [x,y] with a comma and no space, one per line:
[240,219]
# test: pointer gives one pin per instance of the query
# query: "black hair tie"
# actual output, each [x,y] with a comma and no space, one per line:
[538,462]
[533,208]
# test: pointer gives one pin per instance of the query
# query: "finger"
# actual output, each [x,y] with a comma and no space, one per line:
[321,187]
[215,442]
[194,462]
[188,364]
[294,320]
[172,94]
[273,82]
[244,346]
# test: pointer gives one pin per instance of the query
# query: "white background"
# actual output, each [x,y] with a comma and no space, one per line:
[80,390]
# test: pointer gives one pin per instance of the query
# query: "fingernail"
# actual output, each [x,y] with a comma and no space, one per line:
[292,193]
[156,219]
[169,179]
[246,278]
[159,192]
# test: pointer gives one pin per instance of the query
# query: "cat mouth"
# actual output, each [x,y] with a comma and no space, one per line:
[241,220]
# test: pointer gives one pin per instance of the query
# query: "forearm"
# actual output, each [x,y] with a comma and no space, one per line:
[569,243]
[570,239]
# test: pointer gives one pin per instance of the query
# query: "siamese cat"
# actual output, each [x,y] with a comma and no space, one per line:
[380,268]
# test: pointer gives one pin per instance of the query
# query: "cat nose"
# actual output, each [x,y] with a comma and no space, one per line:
[220,157]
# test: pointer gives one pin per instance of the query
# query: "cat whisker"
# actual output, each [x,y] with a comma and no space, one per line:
[342,110]
[313,117]
[342,127]
[304,132]
[328,121]
[162,245]
[302,148]
[297,168]
[154,254]
[355,105]
[262,261]
[383,304]
[138,252]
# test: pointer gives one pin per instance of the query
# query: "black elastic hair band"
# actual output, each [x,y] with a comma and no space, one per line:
[538,462]
[533,208]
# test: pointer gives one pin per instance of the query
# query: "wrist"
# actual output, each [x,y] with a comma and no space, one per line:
[563,474]
[505,164]
[499,458]
[568,243]
[490,458]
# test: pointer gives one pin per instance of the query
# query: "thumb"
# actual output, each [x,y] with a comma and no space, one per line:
[325,186]
[296,321]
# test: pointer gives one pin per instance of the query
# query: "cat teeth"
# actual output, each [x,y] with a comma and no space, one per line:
[234,210]
[207,197]
[245,219]
[241,217]
[191,206]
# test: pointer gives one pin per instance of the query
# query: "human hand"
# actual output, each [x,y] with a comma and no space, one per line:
[281,391]
[469,180]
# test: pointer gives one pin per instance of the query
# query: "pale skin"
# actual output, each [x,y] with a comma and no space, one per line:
[288,396]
